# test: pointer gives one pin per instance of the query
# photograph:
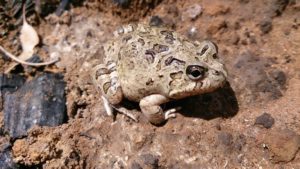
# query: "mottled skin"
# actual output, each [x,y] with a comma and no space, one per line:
[152,66]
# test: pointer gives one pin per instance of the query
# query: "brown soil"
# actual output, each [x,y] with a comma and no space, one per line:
[259,41]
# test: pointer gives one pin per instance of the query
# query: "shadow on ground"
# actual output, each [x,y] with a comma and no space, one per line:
[221,103]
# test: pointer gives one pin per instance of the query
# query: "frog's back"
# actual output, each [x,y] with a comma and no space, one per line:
[138,41]
[139,51]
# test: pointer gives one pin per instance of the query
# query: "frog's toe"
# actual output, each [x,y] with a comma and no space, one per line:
[128,113]
[171,113]
[107,106]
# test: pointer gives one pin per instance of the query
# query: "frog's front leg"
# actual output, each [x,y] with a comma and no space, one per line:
[107,82]
[150,106]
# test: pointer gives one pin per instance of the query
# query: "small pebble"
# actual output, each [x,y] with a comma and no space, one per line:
[150,160]
[265,120]
[282,144]
[279,76]
[265,26]
[192,12]
[156,21]
[192,32]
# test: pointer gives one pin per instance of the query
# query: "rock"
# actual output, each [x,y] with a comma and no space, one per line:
[150,160]
[191,12]
[229,143]
[136,165]
[9,83]
[265,120]
[156,21]
[192,33]
[277,7]
[283,145]
[265,26]
[38,150]
[240,142]
[279,77]
[122,3]
[38,102]
[6,161]
[253,70]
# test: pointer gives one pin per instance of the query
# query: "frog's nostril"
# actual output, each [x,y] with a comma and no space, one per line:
[215,72]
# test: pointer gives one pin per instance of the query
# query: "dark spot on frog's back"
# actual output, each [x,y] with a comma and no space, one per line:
[106,86]
[149,55]
[100,72]
[168,36]
[158,48]
[204,49]
[133,46]
[141,41]
[172,60]
[126,38]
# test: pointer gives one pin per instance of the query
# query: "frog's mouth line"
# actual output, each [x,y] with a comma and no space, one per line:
[187,91]
[195,88]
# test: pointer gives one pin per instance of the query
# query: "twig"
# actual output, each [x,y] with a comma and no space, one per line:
[25,62]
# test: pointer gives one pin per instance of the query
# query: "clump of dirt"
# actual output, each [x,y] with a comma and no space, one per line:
[128,10]
[258,42]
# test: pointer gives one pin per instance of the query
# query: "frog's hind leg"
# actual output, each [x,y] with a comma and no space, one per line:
[150,106]
[106,79]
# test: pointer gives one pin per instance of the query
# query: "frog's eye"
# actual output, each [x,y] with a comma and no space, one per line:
[195,72]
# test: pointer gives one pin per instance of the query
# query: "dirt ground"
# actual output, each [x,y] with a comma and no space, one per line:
[259,42]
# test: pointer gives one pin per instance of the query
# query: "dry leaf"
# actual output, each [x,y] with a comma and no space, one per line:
[29,39]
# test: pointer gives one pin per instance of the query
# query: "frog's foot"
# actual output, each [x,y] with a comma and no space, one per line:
[128,113]
[171,113]
[108,108]
[150,106]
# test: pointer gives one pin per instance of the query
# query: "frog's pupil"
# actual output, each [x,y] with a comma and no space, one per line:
[196,73]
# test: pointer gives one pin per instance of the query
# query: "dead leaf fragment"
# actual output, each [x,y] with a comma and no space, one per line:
[29,39]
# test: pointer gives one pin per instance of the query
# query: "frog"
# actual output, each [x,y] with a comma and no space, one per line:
[152,66]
